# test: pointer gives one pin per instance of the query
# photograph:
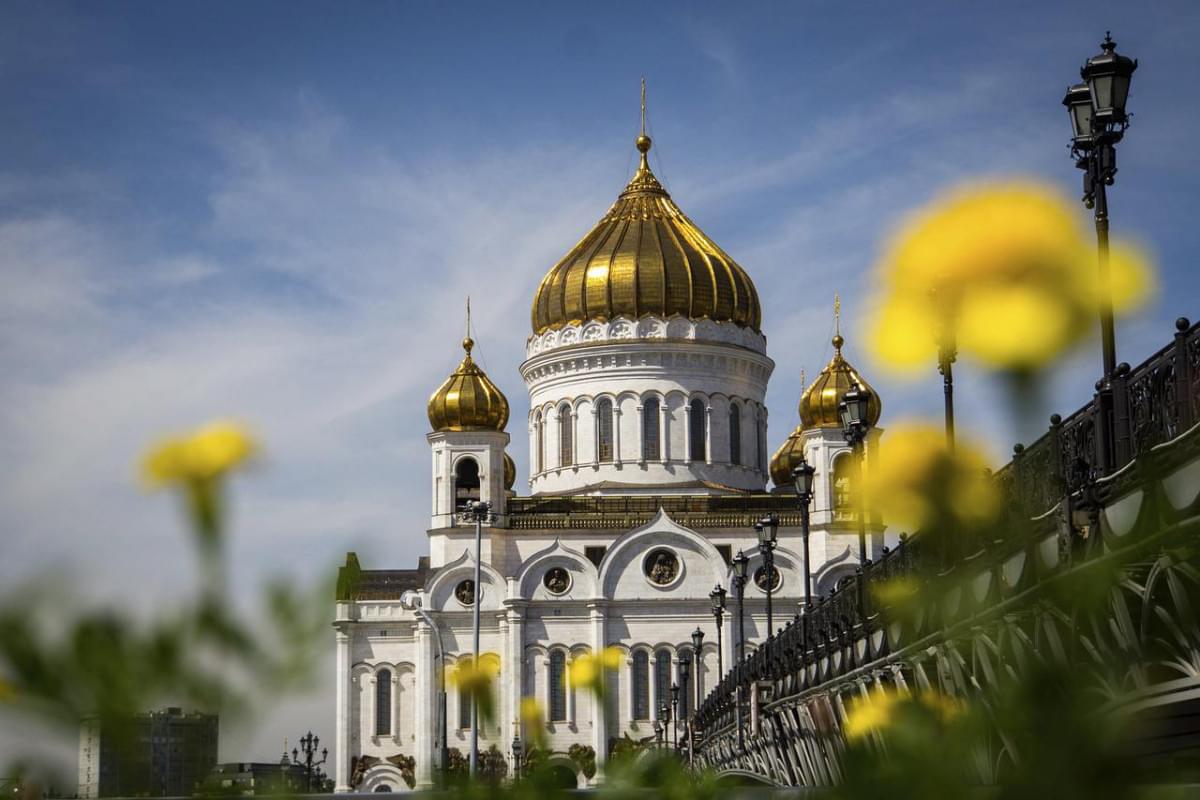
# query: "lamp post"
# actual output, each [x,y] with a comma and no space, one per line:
[717,596]
[741,564]
[664,721]
[766,529]
[658,727]
[802,478]
[675,714]
[309,745]
[947,353]
[854,408]
[1098,122]
[697,645]
[478,511]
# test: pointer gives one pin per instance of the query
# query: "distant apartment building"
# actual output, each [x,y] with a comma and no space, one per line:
[242,778]
[165,753]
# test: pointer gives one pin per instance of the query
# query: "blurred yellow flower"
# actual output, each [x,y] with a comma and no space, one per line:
[533,720]
[868,714]
[590,671]
[916,482]
[1008,271]
[895,591]
[877,711]
[198,457]
[7,692]
[475,679]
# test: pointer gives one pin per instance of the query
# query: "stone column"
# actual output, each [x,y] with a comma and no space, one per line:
[708,445]
[598,619]
[425,709]
[617,433]
[687,431]
[341,748]
[662,431]
[515,682]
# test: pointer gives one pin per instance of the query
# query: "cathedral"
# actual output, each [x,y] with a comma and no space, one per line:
[647,369]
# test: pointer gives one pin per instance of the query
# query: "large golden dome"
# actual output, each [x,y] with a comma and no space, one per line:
[819,403]
[645,257]
[468,400]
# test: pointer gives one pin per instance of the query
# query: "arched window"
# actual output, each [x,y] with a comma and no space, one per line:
[558,686]
[843,504]
[762,443]
[539,433]
[696,430]
[383,702]
[735,434]
[565,437]
[604,430]
[466,482]
[662,678]
[464,708]
[650,450]
[641,685]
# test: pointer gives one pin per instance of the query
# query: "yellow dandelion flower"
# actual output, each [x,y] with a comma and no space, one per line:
[531,712]
[198,457]
[583,672]
[916,481]
[610,658]
[7,692]
[869,714]
[895,591]
[1007,271]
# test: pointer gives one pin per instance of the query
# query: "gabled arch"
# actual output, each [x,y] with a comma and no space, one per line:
[584,573]
[658,531]
[440,587]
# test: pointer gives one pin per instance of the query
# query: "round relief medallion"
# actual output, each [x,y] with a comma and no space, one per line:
[661,567]
[760,579]
[556,580]
[465,592]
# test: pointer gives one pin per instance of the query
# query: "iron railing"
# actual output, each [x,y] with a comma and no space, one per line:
[1142,407]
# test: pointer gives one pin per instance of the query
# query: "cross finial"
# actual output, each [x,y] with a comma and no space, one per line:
[803,383]
[643,106]
[837,314]
[468,342]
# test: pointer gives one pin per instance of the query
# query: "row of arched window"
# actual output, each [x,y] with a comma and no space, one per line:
[651,434]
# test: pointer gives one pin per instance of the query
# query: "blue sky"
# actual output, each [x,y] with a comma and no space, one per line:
[275,210]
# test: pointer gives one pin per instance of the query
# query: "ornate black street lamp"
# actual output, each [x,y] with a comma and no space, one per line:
[479,512]
[697,645]
[664,721]
[802,478]
[741,564]
[675,714]
[717,596]
[853,408]
[658,730]
[766,530]
[518,750]
[1098,122]
[309,745]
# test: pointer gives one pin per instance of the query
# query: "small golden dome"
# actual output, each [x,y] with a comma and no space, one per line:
[510,471]
[645,257]
[819,403]
[468,400]
[787,458]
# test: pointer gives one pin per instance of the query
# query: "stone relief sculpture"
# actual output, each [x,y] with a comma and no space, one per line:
[661,567]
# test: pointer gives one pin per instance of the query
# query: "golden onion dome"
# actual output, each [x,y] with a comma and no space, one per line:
[645,257]
[468,400]
[787,458]
[510,471]
[819,403]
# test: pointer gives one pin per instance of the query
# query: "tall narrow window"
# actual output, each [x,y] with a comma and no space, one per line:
[696,430]
[843,507]
[604,430]
[757,442]
[558,686]
[735,434]
[641,685]
[383,702]
[539,433]
[466,482]
[662,678]
[762,444]
[650,450]
[565,438]
[464,708]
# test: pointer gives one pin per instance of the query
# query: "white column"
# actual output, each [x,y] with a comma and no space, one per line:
[687,431]
[662,430]
[425,707]
[516,672]
[641,449]
[616,433]
[708,455]
[341,748]
[599,723]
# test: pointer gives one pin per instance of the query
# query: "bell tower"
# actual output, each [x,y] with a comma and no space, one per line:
[467,415]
